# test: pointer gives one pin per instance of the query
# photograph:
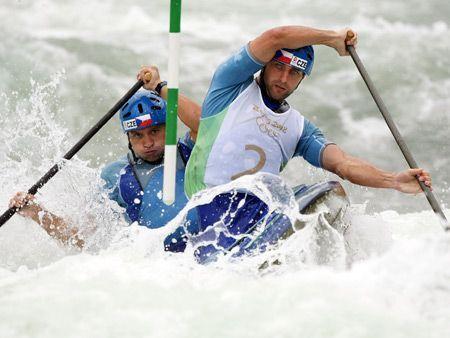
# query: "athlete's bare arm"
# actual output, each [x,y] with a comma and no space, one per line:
[188,111]
[363,173]
[264,46]
[54,225]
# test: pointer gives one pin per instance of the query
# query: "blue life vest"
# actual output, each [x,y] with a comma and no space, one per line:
[144,204]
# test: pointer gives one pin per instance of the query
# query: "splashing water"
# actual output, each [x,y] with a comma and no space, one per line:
[75,192]
[125,267]
[387,276]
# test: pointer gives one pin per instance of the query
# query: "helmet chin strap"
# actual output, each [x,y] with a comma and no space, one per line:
[135,158]
[262,85]
[131,149]
[275,105]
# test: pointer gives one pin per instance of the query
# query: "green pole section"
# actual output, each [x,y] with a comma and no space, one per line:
[172,100]
[170,157]
[171,119]
[175,16]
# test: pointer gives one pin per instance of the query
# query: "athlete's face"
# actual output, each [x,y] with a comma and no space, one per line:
[281,79]
[148,143]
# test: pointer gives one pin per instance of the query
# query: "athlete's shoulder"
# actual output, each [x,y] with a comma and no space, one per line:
[185,146]
[311,144]
[230,79]
[112,171]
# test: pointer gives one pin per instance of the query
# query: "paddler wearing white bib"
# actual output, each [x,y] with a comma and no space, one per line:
[247,127]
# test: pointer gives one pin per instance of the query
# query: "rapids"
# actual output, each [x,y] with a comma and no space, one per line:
[63,64]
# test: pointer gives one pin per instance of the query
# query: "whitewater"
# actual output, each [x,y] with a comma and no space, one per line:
[63,64]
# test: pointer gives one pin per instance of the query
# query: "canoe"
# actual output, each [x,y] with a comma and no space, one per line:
[328,198]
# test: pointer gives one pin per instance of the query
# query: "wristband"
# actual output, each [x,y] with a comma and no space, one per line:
[160,86]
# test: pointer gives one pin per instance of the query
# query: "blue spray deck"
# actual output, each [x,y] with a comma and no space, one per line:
[271,231]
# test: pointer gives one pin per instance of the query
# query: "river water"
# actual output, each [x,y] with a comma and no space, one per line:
[63,64]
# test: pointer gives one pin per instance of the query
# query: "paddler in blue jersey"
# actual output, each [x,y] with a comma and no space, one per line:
[247,126]
[135,181]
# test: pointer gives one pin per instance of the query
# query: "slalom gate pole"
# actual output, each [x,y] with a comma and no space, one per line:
[170,157]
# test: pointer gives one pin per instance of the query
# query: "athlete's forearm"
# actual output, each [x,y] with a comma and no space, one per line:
[360,172]
[55,226]
[58,228]
[189,112]
[300,36]
[265,46]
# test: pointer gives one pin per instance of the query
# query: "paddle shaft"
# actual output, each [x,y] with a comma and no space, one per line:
[85,139]
[397,136]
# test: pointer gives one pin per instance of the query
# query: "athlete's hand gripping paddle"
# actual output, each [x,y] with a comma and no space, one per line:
[85,139]
[397,136]
[170,153]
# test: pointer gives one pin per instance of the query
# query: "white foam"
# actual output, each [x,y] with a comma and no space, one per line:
[391,282]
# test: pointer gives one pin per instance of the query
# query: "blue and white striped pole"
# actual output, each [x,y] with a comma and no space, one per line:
[170,157]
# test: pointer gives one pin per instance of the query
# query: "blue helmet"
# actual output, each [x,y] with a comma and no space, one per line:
[143,110]
[299,58]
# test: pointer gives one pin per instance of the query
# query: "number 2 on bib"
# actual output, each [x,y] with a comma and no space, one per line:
[258,166]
